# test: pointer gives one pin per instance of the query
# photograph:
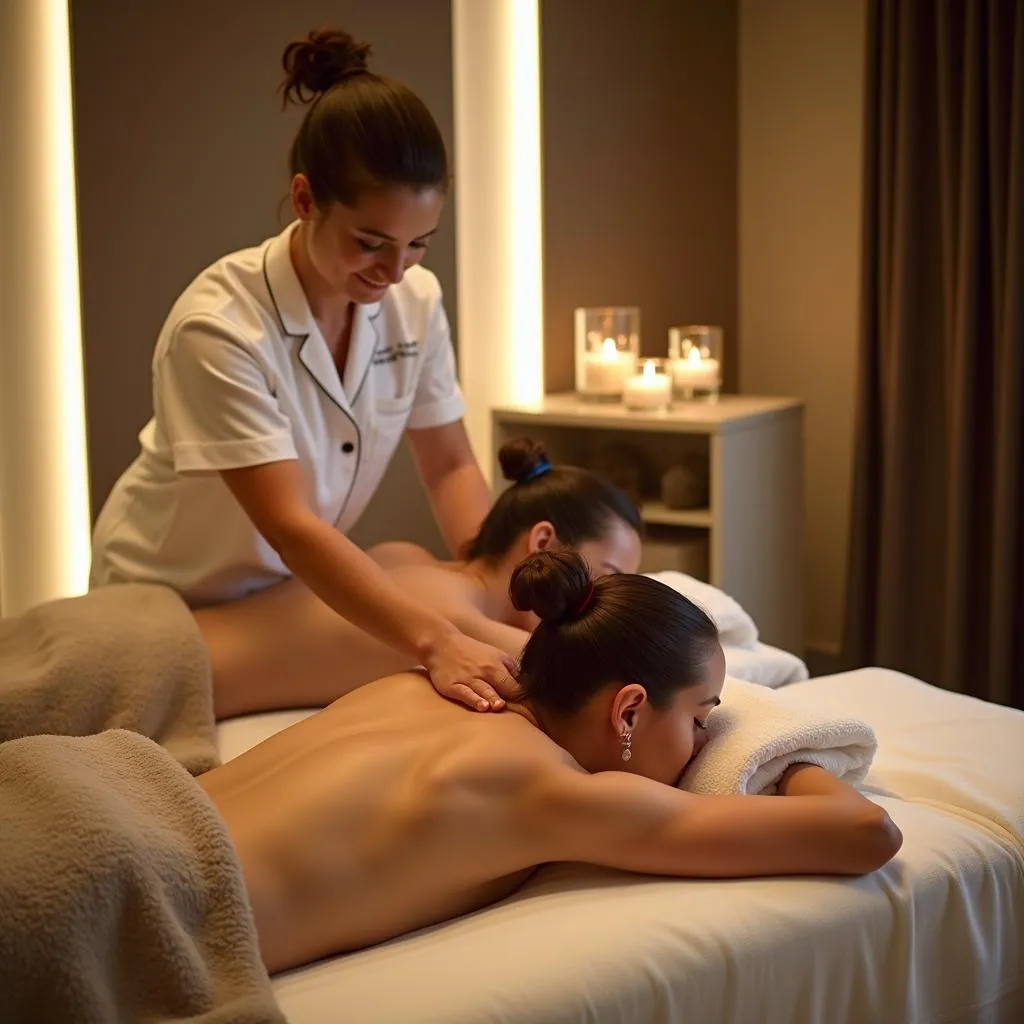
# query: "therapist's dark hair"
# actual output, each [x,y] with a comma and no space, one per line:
[580,505]
[361,130]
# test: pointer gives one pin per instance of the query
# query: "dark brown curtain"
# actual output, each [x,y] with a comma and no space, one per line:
[936,584]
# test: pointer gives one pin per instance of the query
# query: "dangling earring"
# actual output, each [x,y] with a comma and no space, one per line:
[627,740]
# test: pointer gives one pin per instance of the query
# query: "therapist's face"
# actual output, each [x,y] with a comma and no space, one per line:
[360,251]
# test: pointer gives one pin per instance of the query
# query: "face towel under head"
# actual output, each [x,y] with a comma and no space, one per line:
[757,733]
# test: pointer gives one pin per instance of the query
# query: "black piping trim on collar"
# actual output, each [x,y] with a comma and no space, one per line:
[369,363]
[273,299]
[303,339]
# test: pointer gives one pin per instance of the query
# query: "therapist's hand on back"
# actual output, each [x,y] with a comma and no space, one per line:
[470,672]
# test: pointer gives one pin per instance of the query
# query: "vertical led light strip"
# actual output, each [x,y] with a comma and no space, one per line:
[526,352]
[496,56]
[44,494]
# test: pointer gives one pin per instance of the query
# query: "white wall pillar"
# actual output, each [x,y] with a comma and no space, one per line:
[496,56]
[44,498]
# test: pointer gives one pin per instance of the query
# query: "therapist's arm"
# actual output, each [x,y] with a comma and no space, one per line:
[451,477]
[358,589]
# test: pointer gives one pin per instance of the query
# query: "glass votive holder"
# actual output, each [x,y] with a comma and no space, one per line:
[607,348]
[650,390]
[695,361]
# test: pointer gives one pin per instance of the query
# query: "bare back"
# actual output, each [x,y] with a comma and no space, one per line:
[390,810]
[394,809]
[284,648]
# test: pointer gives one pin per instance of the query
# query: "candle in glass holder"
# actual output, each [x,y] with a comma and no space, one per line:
[606,371]
[694,372]
[649,390]
[607,344]
[695,361]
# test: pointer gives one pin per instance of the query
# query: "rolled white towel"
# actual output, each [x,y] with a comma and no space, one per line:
[735,627]
[758,733]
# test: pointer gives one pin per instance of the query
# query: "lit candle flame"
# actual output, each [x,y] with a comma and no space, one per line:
[650,369]
[694,356]
[608,348]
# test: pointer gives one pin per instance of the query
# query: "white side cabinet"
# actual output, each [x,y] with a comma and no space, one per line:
[750,530]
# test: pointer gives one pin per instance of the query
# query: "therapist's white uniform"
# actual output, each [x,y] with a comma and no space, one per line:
[242,376]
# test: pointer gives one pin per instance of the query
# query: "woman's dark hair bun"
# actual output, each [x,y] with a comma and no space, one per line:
[321,60]
[519,458]
[554,585]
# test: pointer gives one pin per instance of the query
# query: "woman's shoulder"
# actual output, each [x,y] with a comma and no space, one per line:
[226,278]
[396,554]
[226,295]
[443,584]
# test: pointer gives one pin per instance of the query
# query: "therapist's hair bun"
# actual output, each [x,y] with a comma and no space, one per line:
[320,61]
[362,130]
[520,458]
[554,585]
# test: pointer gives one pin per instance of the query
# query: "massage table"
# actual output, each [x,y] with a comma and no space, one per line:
[936,935]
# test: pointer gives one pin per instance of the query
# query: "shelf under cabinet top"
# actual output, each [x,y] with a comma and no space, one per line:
[730,412]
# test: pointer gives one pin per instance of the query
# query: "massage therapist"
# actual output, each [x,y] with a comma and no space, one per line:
[286,375]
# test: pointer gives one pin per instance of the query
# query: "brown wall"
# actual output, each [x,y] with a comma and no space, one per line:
[181,149]
[801,84]
[640,133]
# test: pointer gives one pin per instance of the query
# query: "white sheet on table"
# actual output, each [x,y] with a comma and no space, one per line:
[960,754]
[237,735]
[583,944]
[935,935]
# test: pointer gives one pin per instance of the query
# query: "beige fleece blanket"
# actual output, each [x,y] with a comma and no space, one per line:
[122,657]
[120,895]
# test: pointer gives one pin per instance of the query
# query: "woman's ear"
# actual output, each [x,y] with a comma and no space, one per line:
[542,537]
[303,204]
[626,706]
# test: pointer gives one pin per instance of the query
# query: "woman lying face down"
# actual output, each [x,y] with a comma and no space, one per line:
[259,667]
[395,808]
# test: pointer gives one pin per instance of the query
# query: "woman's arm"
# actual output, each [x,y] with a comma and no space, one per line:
[820,826]
[456,489]
[357,588]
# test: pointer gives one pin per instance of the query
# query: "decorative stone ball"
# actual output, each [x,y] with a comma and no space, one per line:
[685,485]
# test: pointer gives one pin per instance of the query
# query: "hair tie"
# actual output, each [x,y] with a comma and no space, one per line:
[539,470]
[587,601]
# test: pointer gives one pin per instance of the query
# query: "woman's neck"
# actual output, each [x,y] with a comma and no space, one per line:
[548,723]
[492,579]
[526,710]
[331,310]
